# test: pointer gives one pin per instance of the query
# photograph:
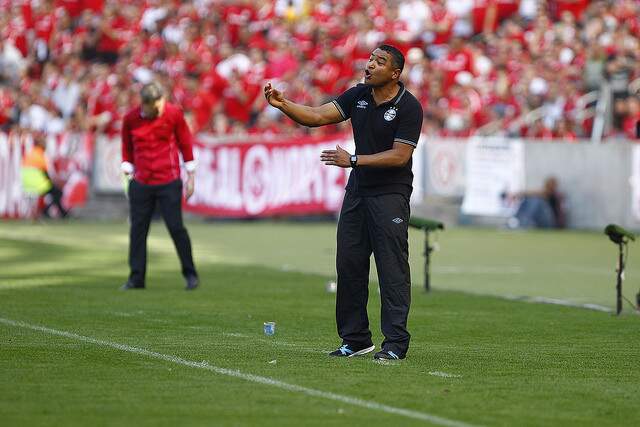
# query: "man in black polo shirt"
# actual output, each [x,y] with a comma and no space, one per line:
[386,121]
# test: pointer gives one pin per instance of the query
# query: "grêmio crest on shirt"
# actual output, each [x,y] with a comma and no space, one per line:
[382,119]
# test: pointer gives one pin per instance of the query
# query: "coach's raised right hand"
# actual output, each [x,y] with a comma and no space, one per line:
[274,96]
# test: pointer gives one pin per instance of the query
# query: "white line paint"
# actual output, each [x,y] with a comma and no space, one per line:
[247,377]
[514,269]
[235,335]
[155,320]
[478,269]
[444,374]
[555,301]
[122,314]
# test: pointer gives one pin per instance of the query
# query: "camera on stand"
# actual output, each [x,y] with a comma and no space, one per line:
[621,237]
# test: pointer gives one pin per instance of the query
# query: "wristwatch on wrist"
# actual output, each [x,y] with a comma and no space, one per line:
[353,160]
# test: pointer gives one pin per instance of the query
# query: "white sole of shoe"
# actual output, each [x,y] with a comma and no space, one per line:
[363,351]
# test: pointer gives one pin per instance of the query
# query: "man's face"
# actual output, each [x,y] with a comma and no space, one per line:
[153,109]
[380,69]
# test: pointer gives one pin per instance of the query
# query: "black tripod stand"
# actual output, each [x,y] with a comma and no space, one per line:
[428,225]
[620,237]
[620,276]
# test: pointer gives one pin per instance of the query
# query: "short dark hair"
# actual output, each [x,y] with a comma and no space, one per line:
[396,56]
[151,92]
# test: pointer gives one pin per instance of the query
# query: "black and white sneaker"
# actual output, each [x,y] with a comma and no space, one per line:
[130,285]
[347,350]
[387,355]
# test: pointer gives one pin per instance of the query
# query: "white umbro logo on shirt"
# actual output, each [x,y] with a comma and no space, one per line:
[362,104]
[397,220]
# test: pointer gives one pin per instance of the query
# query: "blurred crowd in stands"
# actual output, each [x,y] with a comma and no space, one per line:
[476,65]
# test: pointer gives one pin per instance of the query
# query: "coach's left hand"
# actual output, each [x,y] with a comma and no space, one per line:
[338,157]
[189,186]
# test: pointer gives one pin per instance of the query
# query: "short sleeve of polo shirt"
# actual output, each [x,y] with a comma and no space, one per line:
[345,102]
[410,124]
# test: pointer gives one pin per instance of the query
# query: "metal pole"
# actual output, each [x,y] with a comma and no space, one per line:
[619,281]
[427,252]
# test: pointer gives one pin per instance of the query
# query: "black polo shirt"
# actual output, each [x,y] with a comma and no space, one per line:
[375,129]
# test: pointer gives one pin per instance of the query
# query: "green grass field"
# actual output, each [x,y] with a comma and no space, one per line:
[77,351]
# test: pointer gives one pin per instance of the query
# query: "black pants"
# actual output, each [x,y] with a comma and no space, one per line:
[376,224]
[142,200]
[54,199]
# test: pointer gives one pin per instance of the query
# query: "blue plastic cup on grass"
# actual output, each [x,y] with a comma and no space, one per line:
[269,328]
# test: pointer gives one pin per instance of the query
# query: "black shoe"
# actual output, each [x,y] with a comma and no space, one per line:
[387,355]
[130,285]
[348,350]
[192,283]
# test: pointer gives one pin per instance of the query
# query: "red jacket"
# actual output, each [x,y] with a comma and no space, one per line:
[150,146]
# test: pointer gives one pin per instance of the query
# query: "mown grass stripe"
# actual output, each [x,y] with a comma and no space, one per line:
[245,376]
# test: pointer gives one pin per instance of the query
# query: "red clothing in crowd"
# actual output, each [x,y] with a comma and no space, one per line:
[73,7]
[502,9]
[112,42]
[237,16]
[453,63]
[576,7]
[94,5]
[150,147]
[44,26]
[238,98]
[201,105]
[629,125]
[6,103]
[440,15]
[16,32]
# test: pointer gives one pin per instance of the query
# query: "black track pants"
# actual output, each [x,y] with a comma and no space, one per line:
[377,225]
[142,200]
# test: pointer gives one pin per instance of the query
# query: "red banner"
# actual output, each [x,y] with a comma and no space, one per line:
[70,158]
[267,178]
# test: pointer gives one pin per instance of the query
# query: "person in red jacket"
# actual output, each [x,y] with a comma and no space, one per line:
[154,134]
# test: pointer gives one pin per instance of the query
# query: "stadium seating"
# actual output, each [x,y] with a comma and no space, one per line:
[516,67]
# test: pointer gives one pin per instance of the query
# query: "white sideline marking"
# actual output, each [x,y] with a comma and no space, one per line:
[555,301]
[235,335]
[122,313]
[444,374]
[479,269]
[247,377]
